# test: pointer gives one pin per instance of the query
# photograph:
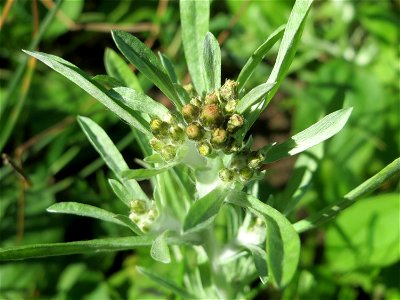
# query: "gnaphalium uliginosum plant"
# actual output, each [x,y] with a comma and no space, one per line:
[200,164]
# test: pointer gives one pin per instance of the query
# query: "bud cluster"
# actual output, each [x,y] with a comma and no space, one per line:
[212,121]
[243,167]
[143,214]
[168,135]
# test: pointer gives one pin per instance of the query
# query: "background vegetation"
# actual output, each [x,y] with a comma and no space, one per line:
[348,52]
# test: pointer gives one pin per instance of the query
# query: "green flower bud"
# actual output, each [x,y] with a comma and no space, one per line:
[145,226]
[211,116]
[176,133]
[228,90]
[219,136]
[232,146]
[235,122]
[152,214]
[230,107]
[156,144]
[255,160]
[138,206]
[246,173]
[158,128]
[189,89]
[168,152]
[134,217]
[196,101]
[194,131]
[212,98]
[226,175]
[204,148]
[190,112]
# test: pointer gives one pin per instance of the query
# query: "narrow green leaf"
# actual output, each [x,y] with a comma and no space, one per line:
[166,283]
[204,210]
[282,243]
[128,223]
[142,174]
[81,247]
[85,210]
[81,79]
[139,101]
[159,250]
[169,67]
[194,23]
[313,135]
[328,213]
[116,67]
[121,192]
[107,82]
[260,261]
[254,96]
[182,93]
[146,62]
[212,62]
[257,57]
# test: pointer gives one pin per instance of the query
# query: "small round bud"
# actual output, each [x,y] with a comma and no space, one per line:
[194,131]
[196,101]
[230,107]
[145,226]
[134,217]
[226,175]
[189,89]
[176,133]
[204,148]
[152,214]
[219,136]
[232,146]
[212,98]
[156,144]
[255,160]
[246,173]
[235,122]
[168,152]
[211,116]
[228,90]
[158,127]
[190,112]
[138,206]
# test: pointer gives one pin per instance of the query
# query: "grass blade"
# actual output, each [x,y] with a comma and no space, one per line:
[194,23]
[257,57]
[212,62]
[313,135]
[147,63]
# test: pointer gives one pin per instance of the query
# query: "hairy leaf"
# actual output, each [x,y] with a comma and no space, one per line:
[159,250]
[212,62]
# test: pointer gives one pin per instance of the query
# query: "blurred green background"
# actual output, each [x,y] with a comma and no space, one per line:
[348,55]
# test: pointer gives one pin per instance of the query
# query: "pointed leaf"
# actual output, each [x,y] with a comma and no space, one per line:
[257,57]
[204,210]
[81,247]
[166,283]
[313,135]
[146,62]
[194,24]
[143,174]
[121,192]
[84,81]
[85,210]
[212,62]
[169,67]
[116,67]
[129,223]
[159,250]
[139,101]
[254,96]
[260,261]
[282,243]
[107,82]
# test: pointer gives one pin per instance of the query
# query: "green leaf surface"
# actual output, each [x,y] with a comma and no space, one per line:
[146,62]
[85,210]
[203,211]
[116,67]
[282,243]
[128,223]
[169,67]
[84,81]
[212,62]
[166,283]
[365,235]
[81,247]
[120,191]
[313,135]
[254,96]
[142,174]
[258,55]
[139,101]
[260,261]
[194,20]
[107,82]
[159,250]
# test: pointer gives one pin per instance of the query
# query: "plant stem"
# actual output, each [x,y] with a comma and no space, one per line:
[350,198]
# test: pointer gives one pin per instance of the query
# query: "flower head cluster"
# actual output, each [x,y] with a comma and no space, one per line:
[212,120]
[143,213]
